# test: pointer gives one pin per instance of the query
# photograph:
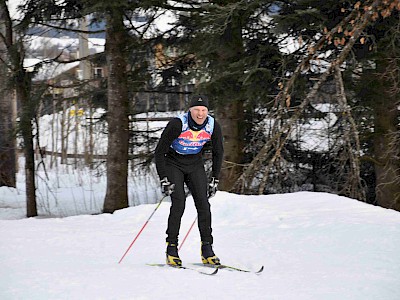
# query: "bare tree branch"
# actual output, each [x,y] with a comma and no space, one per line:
[276,142]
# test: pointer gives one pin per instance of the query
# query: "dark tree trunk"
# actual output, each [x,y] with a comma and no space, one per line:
[231,118]
[117,116]
[26,118]
[7,136]
[386,144]
[7,115]
[230,107]
[22,83]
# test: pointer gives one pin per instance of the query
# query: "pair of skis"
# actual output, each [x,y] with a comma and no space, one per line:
[216,268]
[194,266]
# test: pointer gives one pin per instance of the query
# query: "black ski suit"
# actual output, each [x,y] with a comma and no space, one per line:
[189,169]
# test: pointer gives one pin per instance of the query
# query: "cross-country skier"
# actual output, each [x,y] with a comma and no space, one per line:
[179,160]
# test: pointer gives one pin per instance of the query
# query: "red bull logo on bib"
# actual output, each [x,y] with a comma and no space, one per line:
[192,138]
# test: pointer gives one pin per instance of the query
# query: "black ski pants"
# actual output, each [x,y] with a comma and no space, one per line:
[194,176]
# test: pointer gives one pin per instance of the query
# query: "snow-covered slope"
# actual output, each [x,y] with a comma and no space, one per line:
[313,246]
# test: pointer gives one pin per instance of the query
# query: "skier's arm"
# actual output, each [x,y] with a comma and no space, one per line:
[217,150]
[170,133]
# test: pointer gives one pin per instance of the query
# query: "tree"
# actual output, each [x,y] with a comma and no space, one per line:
[226,47]
[126,50]
[235,57]
[7,113]
[57,15]
[377,89]
[118,110]
[349,29]
[33,12]
[21,81]
[125,62]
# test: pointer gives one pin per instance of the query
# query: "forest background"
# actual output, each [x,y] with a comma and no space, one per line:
[272,71]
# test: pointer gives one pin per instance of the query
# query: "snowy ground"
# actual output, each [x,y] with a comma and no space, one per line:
[313,246]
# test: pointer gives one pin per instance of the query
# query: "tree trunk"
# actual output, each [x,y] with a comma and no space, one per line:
[7,115]
[117,116]
[22,83]
[26,117]
[7,140]
[230,109]
[386,143]
[230,117]
[7,134]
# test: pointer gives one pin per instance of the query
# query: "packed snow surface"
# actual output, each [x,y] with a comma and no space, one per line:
[313,246]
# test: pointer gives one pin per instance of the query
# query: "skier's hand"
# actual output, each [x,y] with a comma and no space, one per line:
[167,187]
[213,187]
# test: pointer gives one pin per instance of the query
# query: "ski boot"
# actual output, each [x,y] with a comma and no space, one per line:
[208,256]
[172,255]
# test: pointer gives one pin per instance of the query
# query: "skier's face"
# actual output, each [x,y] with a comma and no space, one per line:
[199,114]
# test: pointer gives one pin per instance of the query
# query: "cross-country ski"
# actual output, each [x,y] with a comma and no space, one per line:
[230,268]
[199,270]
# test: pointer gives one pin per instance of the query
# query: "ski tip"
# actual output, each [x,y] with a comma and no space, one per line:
[261,269]
[215,271]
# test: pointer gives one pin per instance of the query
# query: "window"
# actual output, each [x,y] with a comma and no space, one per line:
[98,73]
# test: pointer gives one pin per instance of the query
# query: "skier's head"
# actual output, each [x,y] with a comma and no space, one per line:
[198,100]
[198,108]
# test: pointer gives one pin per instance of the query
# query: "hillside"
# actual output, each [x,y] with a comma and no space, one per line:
[313,246]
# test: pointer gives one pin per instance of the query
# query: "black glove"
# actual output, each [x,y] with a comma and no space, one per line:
[167,187]
[212,187]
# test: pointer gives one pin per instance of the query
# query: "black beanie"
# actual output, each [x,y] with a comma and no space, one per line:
[199,100]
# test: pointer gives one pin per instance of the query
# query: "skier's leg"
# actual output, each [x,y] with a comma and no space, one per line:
[197,183]
[177,208]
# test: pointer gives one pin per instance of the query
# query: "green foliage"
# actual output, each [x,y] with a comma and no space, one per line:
[235,49]
[309,17]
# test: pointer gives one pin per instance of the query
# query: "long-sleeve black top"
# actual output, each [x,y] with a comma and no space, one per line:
[170,133]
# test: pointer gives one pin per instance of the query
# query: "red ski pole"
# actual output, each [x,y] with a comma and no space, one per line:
[187,234]
[145,224]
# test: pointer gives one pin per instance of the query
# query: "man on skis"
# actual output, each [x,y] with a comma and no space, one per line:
[179,160]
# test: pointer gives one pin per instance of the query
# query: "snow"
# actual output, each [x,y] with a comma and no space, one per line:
[313,246]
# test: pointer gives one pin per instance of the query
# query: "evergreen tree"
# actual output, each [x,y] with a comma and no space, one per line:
[125,63]
[7,114]
[118,109]
[20,79]
[236,55]
[377,92]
